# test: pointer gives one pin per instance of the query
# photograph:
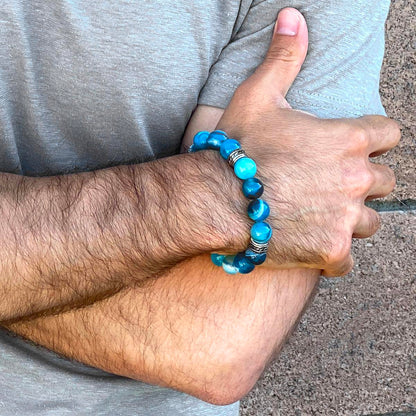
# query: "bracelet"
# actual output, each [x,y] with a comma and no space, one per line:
[258,210]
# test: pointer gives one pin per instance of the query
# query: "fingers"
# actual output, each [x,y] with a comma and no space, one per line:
[368,224]
[287,51]
[381,132]
[384,181]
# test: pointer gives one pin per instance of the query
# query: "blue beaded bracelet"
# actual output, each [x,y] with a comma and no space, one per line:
[258,210]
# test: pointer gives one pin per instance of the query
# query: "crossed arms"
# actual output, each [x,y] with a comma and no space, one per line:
[161,330]
[164,308]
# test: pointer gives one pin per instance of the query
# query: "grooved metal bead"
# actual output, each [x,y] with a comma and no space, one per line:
[236,156]
[257,247]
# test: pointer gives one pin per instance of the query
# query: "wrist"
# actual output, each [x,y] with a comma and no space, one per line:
[258,210]
[201,206]
[232,226]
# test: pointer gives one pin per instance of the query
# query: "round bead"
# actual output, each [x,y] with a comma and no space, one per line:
[217,259]
[253,188]
[243,264]
[258,210]
[228,147]
[261,232]
[245,168]
[228,265]
[255,258]
[215,139]
[200,141]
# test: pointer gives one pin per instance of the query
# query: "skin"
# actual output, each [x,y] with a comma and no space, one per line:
[194,328]
[70,240]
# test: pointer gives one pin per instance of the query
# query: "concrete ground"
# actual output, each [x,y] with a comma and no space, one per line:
[354,352]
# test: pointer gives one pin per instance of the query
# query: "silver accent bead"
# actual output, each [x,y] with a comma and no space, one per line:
[258,248]
[236,156]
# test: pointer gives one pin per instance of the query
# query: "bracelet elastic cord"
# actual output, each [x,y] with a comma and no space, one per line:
[258,210]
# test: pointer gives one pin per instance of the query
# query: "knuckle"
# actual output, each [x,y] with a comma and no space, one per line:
[367,178]
[353,214]
[358,178]
[339,250]
[361,182]
[360,138]
[283,53]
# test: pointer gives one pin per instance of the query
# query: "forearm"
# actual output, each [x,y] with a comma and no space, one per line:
[193,329]
[72,239]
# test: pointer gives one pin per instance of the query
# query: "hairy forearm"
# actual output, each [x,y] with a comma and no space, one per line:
[194,329]
[75,238]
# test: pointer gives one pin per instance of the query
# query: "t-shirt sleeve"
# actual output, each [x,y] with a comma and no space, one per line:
[341,74]
[239,59]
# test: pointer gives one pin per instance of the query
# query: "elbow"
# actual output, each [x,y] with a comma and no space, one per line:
[220,381]
[222,396]
[229,383]
[230,380]
[220,369]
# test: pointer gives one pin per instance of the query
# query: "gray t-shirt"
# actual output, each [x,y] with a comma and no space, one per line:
[86,85]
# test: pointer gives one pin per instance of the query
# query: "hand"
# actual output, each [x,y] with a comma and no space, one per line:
[317,172]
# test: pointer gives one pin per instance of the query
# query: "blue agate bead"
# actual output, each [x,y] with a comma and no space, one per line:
[217,259]
[253,188]
[228,147]
[243,264]
[215,139]
[200,141]
[255,258]
[261,232]
[228,265]
[245,168]
[258,210]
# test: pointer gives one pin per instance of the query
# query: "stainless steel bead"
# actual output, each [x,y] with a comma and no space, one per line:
[236,156]
[257,247]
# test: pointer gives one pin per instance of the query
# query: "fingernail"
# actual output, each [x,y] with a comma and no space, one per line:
[288,22]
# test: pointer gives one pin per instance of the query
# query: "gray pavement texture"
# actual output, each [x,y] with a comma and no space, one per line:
[354,351]
[398,414]
[398,89]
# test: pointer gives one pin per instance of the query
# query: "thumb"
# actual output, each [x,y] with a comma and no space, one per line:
[287,51]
